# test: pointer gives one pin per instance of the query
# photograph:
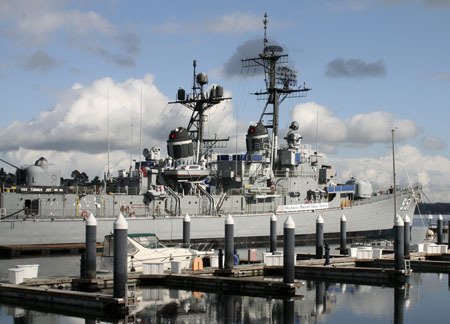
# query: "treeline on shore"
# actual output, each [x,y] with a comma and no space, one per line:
[433,208]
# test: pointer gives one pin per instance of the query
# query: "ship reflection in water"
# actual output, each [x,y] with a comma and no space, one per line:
[425,298]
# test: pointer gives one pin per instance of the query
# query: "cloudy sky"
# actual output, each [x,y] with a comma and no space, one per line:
[373,65]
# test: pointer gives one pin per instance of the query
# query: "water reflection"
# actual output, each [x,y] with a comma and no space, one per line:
[320,303]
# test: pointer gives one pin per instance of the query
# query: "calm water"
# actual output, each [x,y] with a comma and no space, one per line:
[426,300]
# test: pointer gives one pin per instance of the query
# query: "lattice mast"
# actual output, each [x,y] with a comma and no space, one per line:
[281,83]
[199,102]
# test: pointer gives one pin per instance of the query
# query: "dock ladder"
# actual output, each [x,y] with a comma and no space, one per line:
[407,267]
[131,294]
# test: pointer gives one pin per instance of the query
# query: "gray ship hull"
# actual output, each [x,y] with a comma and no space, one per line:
[371,219]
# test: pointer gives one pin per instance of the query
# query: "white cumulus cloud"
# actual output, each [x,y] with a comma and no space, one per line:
[360,129]
[74,133]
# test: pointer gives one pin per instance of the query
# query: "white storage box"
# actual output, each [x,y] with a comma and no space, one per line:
[29,270]
[353,252]
[273,259]
[364,253]
[15,275]
[155,268]
[420,247]
[433,248]
[214,261]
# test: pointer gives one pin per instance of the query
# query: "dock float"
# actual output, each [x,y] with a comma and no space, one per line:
[67,302]
[346,274]
[255,287]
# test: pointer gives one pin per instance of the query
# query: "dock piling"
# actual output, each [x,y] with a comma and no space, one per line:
[399,247]
[273,233]
[448,235]
[120,275]
[220,255]
[319,237]
[440,231]
[407,228]
[229,242]
[399,304]
[228,308]
[90,262]
[187,229]
[289,251]
[288,311]
[327,253]
[320,296]
[343,236]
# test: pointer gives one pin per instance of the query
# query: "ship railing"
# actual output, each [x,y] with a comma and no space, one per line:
[202,246]
[290,173]
[381,196]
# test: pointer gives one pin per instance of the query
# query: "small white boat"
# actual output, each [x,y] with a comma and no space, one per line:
[146,248]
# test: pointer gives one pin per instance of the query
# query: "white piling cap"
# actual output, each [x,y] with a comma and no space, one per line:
[343,218]
[440,217]
[187,218]
[91,221]
[229,220]
[120,222]
[273,218]
[398,221]
[406,219]
[319,219]
[289,222]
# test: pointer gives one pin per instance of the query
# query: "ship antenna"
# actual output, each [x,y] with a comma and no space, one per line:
[265,21]
[131,137]
[393,173]
[140,141]
[107,129]
[317,131]
[194,88]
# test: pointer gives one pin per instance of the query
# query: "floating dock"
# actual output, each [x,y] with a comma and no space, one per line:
[67,302]
[62,294]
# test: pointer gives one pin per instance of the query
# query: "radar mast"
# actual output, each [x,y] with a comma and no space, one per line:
[199,102]
[281,83]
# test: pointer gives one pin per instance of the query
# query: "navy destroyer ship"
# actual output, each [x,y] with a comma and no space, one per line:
[278,174]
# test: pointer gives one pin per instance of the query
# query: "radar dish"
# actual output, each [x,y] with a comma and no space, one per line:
[273,49]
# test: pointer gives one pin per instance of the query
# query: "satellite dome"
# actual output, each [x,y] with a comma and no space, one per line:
[294,125]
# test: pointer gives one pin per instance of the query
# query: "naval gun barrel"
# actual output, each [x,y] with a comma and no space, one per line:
[11,164]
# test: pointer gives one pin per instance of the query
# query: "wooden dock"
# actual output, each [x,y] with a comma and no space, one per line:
[62,295]
[67,302]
